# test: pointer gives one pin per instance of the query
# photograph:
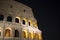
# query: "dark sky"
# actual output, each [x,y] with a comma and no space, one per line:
[47,16]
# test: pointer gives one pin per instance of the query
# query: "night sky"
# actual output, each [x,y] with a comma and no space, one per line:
[47,16]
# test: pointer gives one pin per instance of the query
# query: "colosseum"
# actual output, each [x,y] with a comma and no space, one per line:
[17,22]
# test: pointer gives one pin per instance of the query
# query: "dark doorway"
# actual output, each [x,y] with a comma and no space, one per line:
[17,20]
[16,33]
[24,22]
[29,23]
[9,19]
[1,17]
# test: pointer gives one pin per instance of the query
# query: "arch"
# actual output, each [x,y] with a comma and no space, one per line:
[1,17]
[17,19]
[40,36]
[24,34]
[7,33]
[35,24]
[16,33]
[31,35]
[24,21]
[9,19]
[30,23]
[37,36]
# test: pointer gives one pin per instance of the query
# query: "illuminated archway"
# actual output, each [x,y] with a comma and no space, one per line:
[31,35]
[7,33]
[30,23]
[35,24]
[38,36]
[17,19]
[24,21]
[24,34]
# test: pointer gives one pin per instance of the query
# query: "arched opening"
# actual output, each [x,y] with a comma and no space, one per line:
[9,19]
[7,33]
[1,17]
[35,24]
[24,34]
[16,33]
[30,23]
[31,35]
[40,36]
[24,22]
[17,19]
[37,36]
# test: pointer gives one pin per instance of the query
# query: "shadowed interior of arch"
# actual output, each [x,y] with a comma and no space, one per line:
[9,19]
[23,21]
[1,17]
[17,20]
[16,33]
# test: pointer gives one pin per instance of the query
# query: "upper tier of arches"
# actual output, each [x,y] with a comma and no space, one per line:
[19,20]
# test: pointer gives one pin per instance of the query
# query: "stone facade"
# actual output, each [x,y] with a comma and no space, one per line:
[17,22]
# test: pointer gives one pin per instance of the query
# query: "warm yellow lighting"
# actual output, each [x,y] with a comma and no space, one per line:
[40,37]
[31,35]
[30,22]
[7,33]
[18,18]
[25,34]
[36,36]
[25,20]
[35,24]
